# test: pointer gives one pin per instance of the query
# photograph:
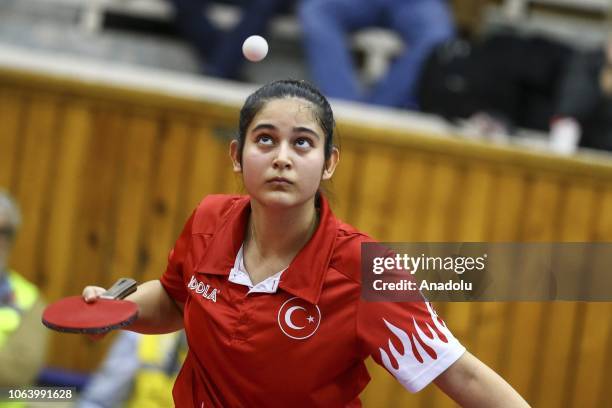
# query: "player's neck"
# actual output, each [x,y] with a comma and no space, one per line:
[282,233]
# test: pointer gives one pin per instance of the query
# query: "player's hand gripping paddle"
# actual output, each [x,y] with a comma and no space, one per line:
[108,312]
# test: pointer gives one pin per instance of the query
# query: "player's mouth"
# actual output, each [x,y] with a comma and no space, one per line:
[280,181]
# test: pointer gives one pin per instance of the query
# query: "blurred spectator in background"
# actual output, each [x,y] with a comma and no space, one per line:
[512,79]
[23,339]
[508,80]
[422,24]
[139,371]
[220,51]
[585,98]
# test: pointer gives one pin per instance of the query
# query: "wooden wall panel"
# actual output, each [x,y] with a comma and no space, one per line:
[344,183]
[33,181]
[11,118]
[526,319]
[492,319]
[440,198]
[73,138]
[93,234]
[592,336]
[106,181]
[208,156]
[507,206]
[475,201]
[161,210]
[374,201]
[411,181]
[131,202]
[556,357]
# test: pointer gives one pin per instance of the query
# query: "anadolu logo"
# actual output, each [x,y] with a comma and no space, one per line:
[299,319]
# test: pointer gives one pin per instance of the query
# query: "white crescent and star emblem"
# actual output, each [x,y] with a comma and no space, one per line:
[299,319]
[288,317]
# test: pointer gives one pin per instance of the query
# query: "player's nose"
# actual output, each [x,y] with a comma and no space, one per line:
[282,159]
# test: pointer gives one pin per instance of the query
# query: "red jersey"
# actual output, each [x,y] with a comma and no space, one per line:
[299,338]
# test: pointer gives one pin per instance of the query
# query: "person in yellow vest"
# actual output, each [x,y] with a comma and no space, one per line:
[139,371]
[23,339]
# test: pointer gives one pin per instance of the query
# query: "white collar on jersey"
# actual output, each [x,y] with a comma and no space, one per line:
[239,275]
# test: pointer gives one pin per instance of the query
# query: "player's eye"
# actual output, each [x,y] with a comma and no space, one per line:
[264,140]
[303,143]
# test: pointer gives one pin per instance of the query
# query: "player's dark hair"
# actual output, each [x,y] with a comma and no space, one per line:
[287,88]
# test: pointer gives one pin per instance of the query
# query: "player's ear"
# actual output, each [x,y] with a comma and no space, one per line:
[234,155]
[330,164]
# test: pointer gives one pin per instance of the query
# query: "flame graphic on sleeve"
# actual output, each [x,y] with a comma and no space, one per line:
[420,348]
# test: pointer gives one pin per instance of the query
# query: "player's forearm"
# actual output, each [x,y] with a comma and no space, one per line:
[157,311]
[471,383]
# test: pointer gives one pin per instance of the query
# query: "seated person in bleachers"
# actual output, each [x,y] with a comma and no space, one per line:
[23,339]
[221,52]
[139,371]
[511,77]
[586,96]
[523,81]
[326,24]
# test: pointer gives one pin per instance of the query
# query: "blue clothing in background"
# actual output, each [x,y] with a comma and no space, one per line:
[111,385]
[221,51]
[422,24]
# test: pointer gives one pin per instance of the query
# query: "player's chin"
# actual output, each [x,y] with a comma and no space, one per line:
[280,199]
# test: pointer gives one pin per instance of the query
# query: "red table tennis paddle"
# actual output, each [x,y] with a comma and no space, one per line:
[108,312]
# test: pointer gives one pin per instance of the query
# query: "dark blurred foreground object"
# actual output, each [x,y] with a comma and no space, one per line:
[59,377]
[523,81]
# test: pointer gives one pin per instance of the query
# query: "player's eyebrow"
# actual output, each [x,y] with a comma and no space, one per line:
[297,129]
[265,126]
[302,129]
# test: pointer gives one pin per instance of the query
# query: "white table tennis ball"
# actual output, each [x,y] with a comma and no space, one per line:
[255,48]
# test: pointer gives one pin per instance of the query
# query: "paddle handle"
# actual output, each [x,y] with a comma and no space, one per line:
[122,288]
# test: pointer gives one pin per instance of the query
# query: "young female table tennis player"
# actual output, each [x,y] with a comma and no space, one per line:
[267,286]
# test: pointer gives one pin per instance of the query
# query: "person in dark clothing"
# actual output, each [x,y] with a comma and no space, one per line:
[586,96]
[220,51]
[512,78]
[523,81]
